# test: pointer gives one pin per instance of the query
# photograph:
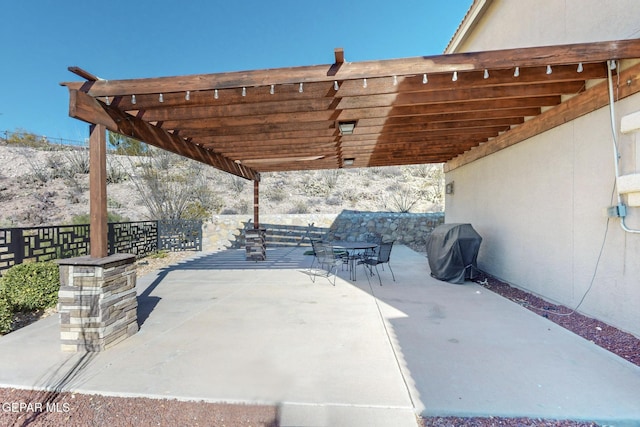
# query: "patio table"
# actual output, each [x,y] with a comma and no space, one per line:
[352,249]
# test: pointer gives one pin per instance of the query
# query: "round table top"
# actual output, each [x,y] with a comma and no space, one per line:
[352,245]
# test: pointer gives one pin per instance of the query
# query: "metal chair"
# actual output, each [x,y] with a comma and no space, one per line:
[327,260]
[382,255]
[371,238]
[314,247]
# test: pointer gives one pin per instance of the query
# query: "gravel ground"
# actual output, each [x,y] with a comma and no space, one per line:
[38,408]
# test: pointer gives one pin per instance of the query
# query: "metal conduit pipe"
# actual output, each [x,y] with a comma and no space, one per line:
[616,153]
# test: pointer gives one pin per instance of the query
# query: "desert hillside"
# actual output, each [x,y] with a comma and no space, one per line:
[44,186]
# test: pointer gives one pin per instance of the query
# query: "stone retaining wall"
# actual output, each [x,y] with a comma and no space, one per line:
[411,229]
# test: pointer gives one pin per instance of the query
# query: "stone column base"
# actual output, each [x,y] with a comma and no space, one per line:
[256,242]
[97,302]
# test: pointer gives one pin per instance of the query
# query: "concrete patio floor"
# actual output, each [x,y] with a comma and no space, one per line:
[221,329]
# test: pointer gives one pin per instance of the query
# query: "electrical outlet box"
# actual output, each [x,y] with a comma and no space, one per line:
[617,211]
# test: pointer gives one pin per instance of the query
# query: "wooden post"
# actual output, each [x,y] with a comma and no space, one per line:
[256,204]
[98,191]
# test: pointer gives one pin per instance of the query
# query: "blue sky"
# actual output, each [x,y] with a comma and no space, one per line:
[119,39]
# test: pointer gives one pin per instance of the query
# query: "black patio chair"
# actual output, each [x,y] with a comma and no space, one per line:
[327,260]
[381,255]
[314,245]
[339,253]
[371,238]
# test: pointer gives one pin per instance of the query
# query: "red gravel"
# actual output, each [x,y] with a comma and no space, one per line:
[39,408]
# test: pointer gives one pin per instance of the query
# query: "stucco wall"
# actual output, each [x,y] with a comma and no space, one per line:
[527,23]
[540,205]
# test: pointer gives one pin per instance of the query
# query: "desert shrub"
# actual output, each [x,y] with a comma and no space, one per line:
[159,254]
[331,177]
[26,139]
[77,161]
[403,200]
[55,165]
[314,188]
[168,184]
[113,203]
[196,210]
[31,286]
[394,187]
[86,218]
[125,145]
[40,172]
[237,184]
[115,172]
[6,316]
[300,207]
[391,172]
[277,194]
[75,189]
[243,207]
[353,197]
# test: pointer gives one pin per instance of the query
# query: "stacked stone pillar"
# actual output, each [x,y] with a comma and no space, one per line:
[256,241]
[97,302]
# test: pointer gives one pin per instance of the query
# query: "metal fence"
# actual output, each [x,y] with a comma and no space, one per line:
[29,139]
[141,238]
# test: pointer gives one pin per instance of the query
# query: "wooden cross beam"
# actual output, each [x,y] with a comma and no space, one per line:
[86,108]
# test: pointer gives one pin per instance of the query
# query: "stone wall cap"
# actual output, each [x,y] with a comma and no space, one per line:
[87,260]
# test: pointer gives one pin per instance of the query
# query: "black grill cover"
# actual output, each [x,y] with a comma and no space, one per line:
[452,251]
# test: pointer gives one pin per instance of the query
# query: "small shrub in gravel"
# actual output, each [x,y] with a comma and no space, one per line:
[31,286]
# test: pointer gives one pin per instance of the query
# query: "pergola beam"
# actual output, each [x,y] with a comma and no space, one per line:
[498,59]
[584,103]
[88,109]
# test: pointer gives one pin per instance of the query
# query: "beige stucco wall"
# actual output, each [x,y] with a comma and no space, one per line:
[526,23]
[540,205]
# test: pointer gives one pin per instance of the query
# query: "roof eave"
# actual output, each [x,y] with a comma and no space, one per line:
[470,20]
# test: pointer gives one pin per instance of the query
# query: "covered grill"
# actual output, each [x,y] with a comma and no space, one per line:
[452,251]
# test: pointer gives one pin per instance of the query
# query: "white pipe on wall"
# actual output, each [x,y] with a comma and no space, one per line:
[616,153]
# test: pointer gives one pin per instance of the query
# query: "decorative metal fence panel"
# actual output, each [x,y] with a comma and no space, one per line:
[18,245]
[8,248]
[180,235]
[42,243]
[137,238]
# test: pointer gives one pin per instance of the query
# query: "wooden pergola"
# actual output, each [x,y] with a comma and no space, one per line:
[432,109]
